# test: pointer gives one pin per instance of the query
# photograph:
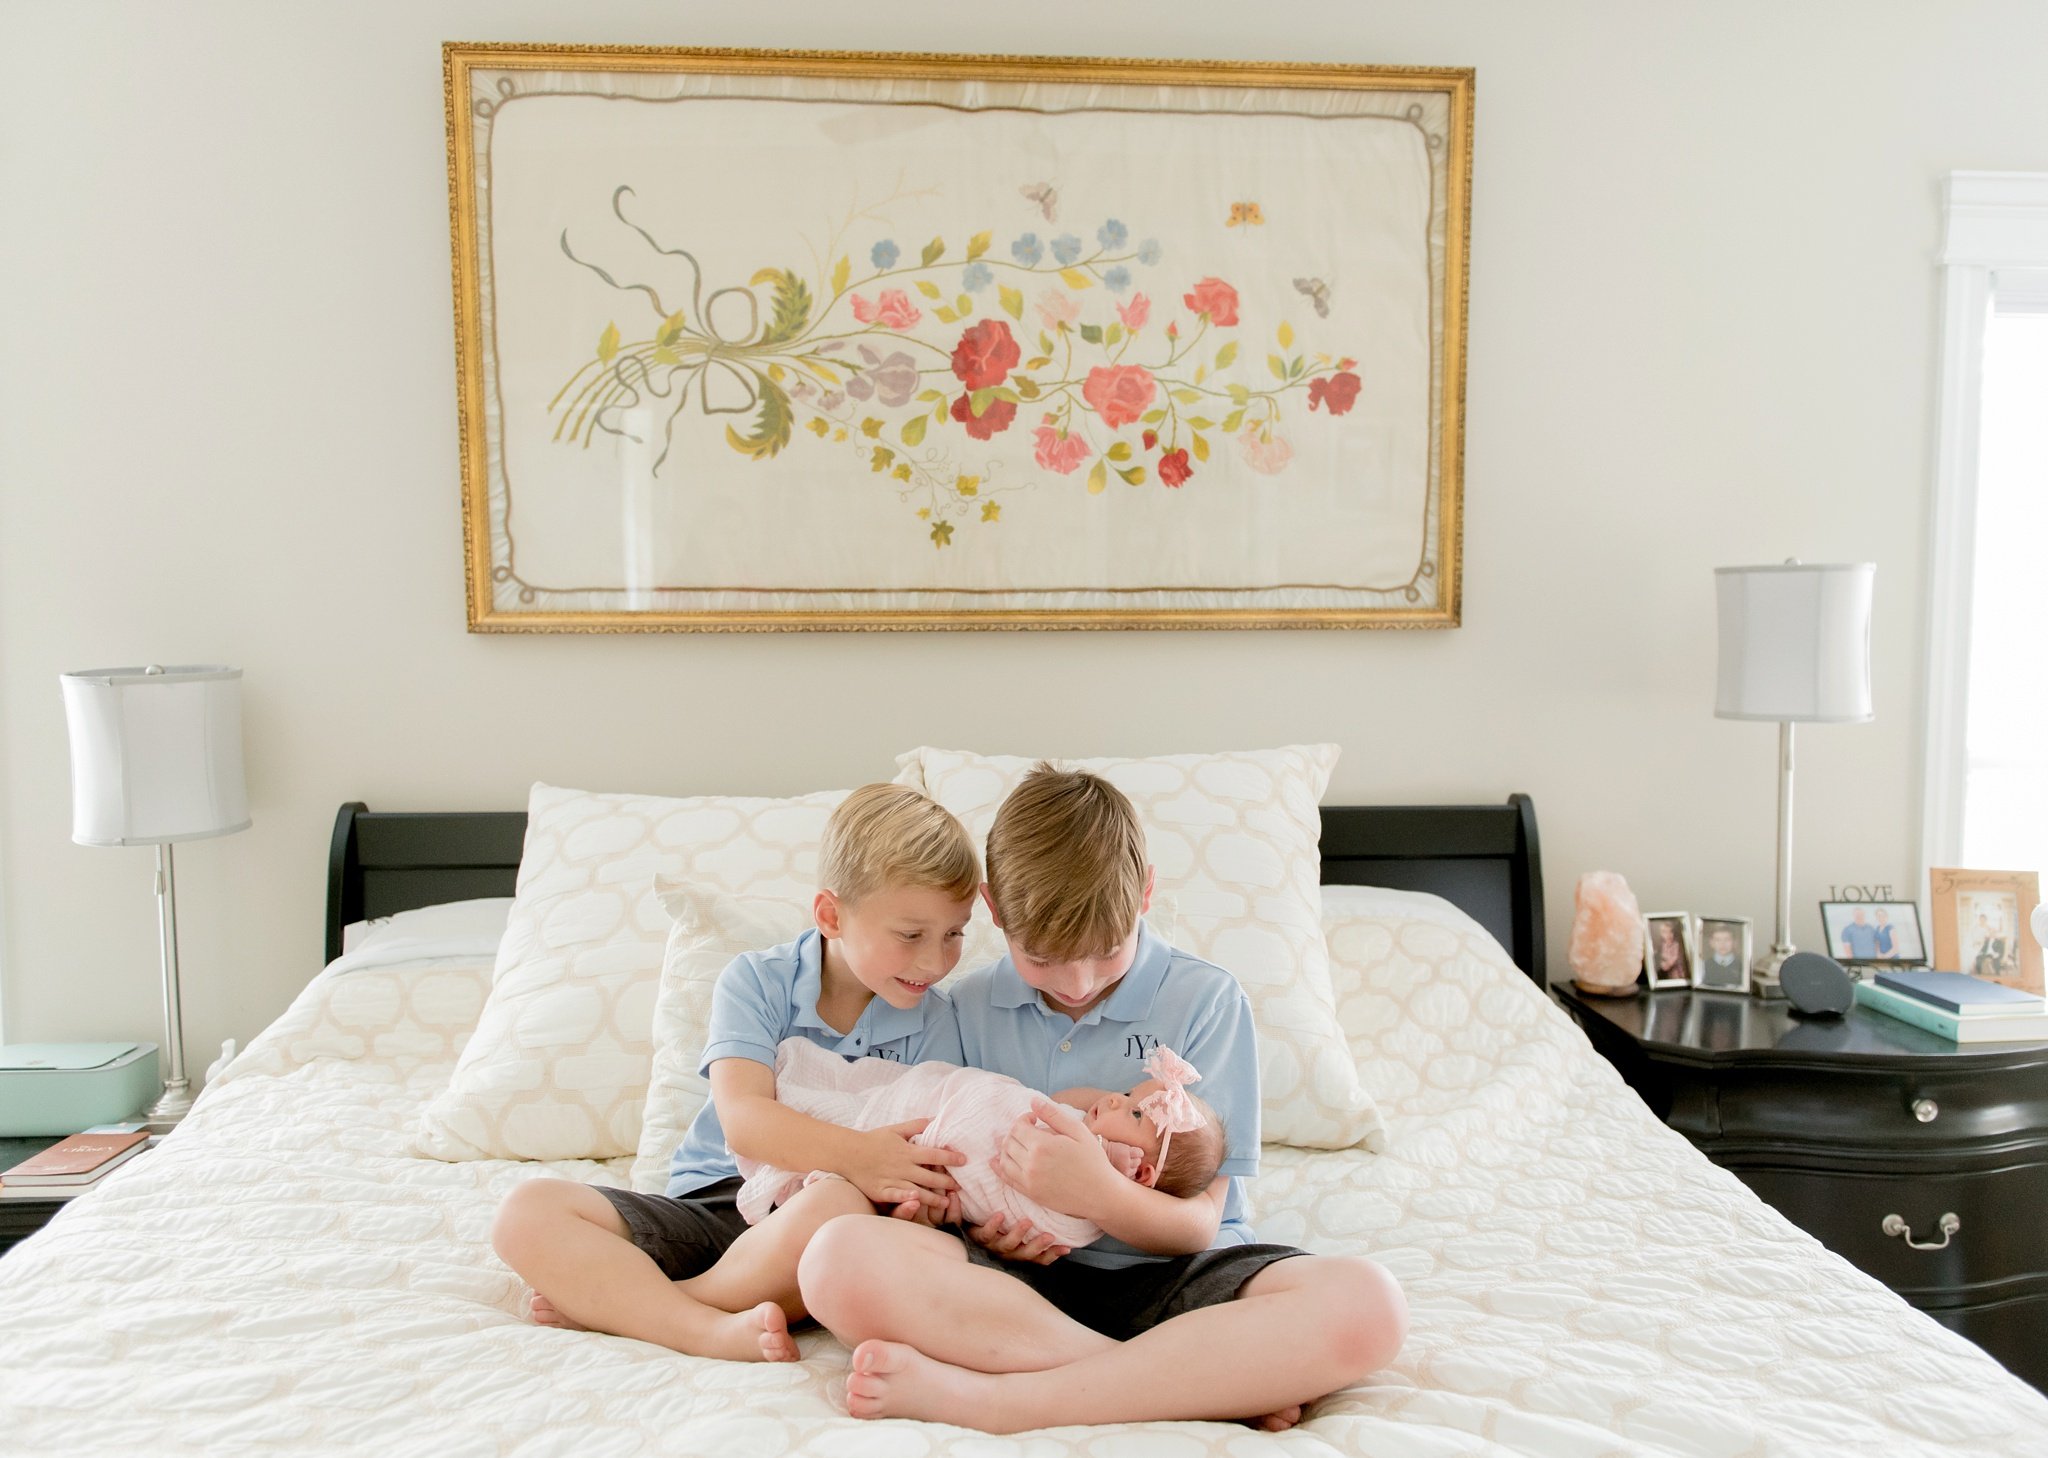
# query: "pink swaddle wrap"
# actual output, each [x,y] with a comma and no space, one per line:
[970,1110]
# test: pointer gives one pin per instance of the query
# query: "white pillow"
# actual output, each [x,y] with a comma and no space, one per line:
[451,931]
[1236,838]
[558,1066]
[709,931]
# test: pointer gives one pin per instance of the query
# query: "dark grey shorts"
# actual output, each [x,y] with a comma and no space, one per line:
[685,1234]
[1122,1301]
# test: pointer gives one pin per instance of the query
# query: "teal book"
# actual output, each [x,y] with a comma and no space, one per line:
[2019,1028]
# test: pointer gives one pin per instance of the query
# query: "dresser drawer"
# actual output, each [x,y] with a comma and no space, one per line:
[2000,1235]
[1895,1108]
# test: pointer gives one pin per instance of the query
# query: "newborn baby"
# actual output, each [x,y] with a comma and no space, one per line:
[1157,1134]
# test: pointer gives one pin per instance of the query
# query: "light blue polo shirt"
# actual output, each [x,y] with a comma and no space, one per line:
[1196,1009]
[764,997]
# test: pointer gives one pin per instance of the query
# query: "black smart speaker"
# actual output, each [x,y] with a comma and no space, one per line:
[1816,986]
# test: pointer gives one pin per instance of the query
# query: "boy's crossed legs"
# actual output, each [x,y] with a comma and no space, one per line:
[569,1242]
[939,1338]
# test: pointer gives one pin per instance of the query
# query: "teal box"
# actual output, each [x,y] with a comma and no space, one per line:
[62,1088]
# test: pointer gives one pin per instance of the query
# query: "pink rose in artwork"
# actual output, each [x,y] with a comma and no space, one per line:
[1058,451]
[985,355]
[1214,297]
[990,423]
[1265,453]
[893,310]
[1056,308]
[1135,313]
[1339,392]
[1119,393]
[1174,469]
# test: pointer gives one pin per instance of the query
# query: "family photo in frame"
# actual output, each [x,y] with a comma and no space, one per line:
[1874,933]
[1980,921]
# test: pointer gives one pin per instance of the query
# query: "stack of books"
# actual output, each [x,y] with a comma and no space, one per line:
[1961,1008]
[72,1166]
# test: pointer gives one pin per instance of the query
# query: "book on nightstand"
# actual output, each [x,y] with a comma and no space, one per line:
[2017,1027]
[80,1160]
[1961,995]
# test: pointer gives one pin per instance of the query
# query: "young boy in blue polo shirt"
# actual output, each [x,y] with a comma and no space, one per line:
[897,875]
[1179,1312]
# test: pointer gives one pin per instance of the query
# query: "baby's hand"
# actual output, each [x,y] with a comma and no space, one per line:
[1023,1243]
[889,1169]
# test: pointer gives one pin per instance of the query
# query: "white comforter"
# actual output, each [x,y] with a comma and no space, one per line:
[281,1276]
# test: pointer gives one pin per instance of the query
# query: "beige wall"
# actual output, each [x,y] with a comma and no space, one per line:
[1704,319]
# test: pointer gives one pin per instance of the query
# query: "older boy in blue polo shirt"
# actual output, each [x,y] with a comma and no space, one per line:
[1179,1312]
[897,875]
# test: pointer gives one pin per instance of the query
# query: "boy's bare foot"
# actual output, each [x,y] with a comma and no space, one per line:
[545,1314]
[777,1345]
[890,1380]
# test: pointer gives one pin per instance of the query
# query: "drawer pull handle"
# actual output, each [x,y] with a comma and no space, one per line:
[1926,1110]
[1895,1225]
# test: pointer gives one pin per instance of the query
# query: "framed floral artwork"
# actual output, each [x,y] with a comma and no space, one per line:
[795,340]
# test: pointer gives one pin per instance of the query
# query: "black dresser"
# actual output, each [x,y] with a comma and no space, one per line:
[1923,1162]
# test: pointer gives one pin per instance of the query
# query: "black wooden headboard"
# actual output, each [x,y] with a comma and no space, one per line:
[1481,858]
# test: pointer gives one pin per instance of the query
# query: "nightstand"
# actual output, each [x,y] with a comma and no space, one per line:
[1923,1163]
[23,1214]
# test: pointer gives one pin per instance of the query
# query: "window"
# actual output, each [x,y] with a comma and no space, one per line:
[2005,772]
[1986,802]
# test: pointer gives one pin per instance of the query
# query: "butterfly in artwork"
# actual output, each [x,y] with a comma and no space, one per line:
[1318,294]
[1247,213]
[1047,198]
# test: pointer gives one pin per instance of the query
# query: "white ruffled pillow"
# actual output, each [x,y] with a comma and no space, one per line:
[558,1067]
[1236,838]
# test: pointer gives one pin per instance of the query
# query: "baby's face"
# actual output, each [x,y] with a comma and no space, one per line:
[1117,1116]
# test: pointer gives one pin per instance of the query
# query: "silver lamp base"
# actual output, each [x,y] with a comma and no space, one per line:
[1763,973]
[170,1110]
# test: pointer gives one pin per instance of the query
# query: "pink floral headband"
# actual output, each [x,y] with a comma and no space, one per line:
[1169,1107]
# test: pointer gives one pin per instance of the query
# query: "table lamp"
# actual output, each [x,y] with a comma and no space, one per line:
[156,757]
[1795,648]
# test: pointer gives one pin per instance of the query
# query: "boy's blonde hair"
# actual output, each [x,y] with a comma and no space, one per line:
[885,836]
[1066,864]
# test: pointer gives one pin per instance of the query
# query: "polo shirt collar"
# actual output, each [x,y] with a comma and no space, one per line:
[883,1021]
[1130,1000]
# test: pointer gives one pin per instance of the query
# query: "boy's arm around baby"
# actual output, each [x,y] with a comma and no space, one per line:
[1050,1156]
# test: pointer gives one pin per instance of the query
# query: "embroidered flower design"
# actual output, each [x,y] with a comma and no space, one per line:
[1066,248]
[1174,469]
[991,422]
[976,277]
[1119,393]
[1116,278]
[1112,234]
[893,310]
[1268,455]
[1215,298]
[1135,313]
[891,381]
[1057,451]
[1148,252]
[985,356]
[885,253]
[1339,392]
[1056,308]
[1027,250]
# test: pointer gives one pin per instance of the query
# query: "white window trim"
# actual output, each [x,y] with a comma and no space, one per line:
[1992,220]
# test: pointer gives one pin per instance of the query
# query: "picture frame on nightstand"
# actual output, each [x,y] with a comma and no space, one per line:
[1668,949]
[1725,944]
[1874,933]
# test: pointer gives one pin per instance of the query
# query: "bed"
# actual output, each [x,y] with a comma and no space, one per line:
[281,1275]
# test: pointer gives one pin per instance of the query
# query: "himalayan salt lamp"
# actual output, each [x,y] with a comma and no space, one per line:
[1606,952]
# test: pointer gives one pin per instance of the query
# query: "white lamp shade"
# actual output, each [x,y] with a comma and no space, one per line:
[1795,642]
[156,754]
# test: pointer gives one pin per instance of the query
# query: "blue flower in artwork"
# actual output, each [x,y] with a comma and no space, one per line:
[976,277]
[1148,252]
[1027,250]
[1112,234]
[885,253]
[1066,248]
[1116,279]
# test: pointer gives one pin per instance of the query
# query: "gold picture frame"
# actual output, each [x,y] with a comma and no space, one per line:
[738,451]
[1981,925]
